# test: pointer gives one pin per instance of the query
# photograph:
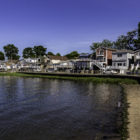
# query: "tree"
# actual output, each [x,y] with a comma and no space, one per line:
[139,31]
[28,53]
[58,54]
[95,45]
[137,41]
[39,51]
[105,43]
[121,42]
[50,53]
[72,55]
[11,52]
[126,41]
[2,56]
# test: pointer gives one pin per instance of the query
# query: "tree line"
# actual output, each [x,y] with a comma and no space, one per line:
[130,41]
[11,52]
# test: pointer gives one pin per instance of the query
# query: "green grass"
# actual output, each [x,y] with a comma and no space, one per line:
[124,128]
[87,79]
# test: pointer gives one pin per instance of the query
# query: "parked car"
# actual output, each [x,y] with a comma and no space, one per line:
[109,71]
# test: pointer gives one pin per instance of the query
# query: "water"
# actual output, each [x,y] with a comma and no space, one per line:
[43,109]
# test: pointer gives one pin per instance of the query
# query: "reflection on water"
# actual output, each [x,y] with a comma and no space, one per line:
[43,109]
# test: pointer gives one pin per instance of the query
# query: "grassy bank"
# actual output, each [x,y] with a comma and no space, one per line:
[124,116]
[87,79]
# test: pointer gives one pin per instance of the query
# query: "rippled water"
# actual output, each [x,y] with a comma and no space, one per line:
[43,109]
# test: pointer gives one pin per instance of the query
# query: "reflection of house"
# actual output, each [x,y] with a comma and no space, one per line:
[122,60]
[104,55]
[137,59]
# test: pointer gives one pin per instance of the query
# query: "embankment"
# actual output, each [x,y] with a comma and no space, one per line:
[133,99]
[88,78]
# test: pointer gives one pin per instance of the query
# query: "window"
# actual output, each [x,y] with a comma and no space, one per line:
[124,64]
[119,64]
[119,55]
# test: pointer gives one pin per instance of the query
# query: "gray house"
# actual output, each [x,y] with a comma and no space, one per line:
[83,62]
[123,60]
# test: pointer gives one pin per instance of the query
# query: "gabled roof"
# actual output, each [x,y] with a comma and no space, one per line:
[112,49]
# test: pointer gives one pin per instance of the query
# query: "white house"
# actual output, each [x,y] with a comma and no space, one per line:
[123,60]
[137,59]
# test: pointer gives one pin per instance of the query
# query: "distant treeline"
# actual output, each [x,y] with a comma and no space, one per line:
[129,41]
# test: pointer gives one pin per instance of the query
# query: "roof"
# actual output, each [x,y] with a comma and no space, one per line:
[57,57]
[112,49]
[123,51]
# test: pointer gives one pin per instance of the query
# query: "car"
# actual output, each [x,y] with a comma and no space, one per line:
[109,71]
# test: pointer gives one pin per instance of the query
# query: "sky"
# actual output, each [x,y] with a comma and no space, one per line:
[65,25]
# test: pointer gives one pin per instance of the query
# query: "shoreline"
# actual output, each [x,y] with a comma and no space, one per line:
[133,99]
[110,80]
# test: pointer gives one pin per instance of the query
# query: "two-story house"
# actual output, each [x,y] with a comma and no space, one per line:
[104,56]
[83,62]
[123,60]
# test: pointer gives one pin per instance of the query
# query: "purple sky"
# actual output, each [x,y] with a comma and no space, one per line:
[65,25]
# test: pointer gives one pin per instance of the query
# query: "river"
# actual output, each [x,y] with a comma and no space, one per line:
[44,109]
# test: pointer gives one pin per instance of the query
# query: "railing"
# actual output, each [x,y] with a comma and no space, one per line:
[119,67]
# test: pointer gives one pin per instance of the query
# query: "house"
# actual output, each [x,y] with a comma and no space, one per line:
[137,59]
[53,62]
[64,66]
[29,64]
[104,56]
[123,60]
[83,62]
[2,66]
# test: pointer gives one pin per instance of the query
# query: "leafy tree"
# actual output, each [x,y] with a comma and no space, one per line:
[28,53]
[104,43]
[50,53]
[58,54]
[137,41]
[72,55]
[121,42]
[107,43]
[11,52]
[39,51]
[2,56]
[139,31]
[95,45]
[126,41]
